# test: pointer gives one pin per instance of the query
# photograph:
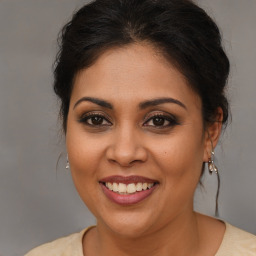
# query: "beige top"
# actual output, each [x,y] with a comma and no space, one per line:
[236,242]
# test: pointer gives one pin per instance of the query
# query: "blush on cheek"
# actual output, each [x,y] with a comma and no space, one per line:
[180,161]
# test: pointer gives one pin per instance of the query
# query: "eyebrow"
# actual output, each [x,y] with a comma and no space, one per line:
[142,105]
[158,101]
[99,102]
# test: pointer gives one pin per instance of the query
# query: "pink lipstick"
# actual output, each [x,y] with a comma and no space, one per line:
[128,190]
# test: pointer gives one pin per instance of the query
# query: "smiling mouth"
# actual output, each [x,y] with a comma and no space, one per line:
[130,188]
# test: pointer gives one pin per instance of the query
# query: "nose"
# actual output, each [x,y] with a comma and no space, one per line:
[126,148]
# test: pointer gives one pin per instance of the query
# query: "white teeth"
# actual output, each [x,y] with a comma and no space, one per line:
[129,188]
[122,188]
[109,185]
[115,187]
[144,186]
[139,187]
[150,185]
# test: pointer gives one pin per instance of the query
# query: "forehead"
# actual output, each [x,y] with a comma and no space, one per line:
[133,73]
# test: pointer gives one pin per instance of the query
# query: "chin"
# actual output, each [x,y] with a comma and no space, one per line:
[130,224]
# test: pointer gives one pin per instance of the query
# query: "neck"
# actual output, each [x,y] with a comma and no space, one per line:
[180,237]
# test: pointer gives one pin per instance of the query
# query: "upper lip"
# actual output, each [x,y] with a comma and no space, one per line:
[127,179]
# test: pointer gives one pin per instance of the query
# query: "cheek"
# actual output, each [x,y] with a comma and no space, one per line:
[180,157]
[84,157]
[83,151]
[85,162]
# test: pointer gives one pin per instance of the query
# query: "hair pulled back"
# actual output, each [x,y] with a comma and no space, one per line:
[182,31]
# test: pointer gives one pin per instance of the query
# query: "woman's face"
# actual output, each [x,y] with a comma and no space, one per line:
[135,125]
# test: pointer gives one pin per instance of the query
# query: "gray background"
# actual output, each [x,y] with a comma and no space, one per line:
[38,202]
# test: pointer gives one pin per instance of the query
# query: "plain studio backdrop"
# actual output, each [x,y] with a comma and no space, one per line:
[38,200]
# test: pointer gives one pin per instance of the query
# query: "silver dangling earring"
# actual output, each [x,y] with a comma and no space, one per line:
[211,166]
[67,163]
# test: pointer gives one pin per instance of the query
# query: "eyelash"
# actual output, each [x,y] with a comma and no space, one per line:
[84,119]
[172,121]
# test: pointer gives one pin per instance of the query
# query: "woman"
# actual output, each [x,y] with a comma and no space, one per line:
[141,85]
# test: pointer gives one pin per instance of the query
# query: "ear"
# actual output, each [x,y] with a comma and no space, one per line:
[212,134]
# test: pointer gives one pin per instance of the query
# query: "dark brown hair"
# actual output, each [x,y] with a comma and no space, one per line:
[183,32]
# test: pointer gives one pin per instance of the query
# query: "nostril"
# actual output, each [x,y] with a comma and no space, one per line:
[126,153]
[125,164]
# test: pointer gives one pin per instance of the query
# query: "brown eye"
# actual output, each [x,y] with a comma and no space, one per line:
[95,120]
[158,121]
[161,121]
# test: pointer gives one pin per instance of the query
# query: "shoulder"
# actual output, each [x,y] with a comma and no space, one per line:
[69,245]
[237,242]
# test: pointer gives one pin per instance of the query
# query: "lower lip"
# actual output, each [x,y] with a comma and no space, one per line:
[127,199]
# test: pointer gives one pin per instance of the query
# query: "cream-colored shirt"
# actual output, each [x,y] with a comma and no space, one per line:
[236,242]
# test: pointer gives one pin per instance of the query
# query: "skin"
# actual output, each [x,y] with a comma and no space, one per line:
[128,142]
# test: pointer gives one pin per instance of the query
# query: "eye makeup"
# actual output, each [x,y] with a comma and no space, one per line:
[95,119]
